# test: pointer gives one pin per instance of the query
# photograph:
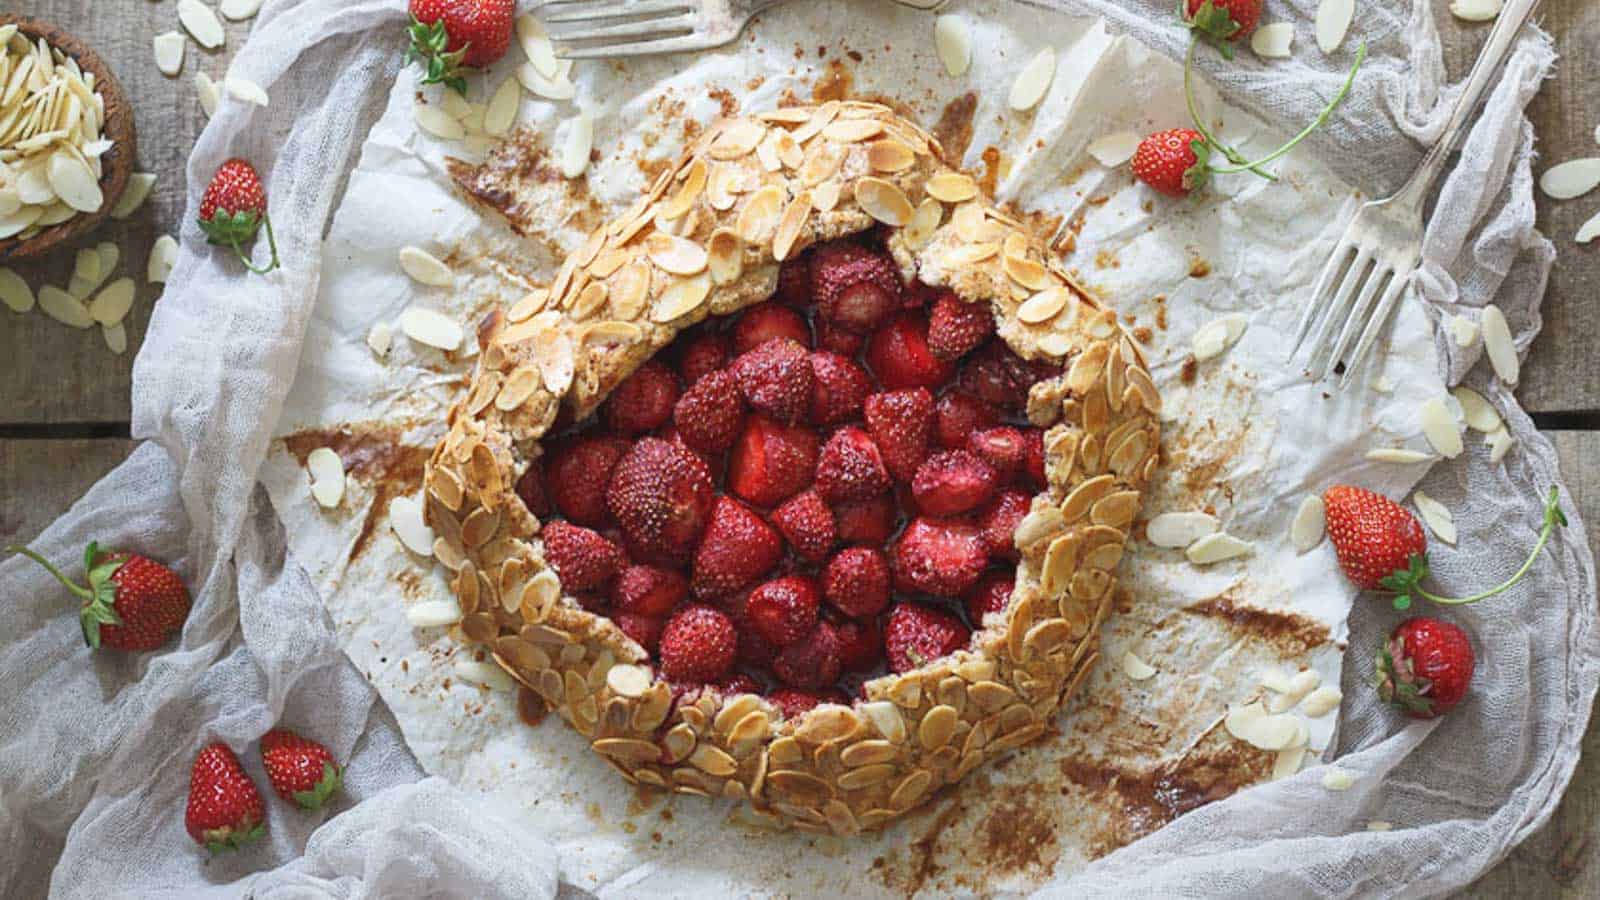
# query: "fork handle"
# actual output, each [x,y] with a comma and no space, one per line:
[926,5]
[1513,16]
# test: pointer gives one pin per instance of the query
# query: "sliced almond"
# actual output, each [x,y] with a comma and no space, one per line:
[1497,341]
[1336,779]
[431,328]
[629,288]
[1437,516]
[1475,10]
[1499,442]
[425,268]
[380,337]
[1252,724]
[576,147]
[74,182]
[1114,149]
[851,131]
[1463,329]
[439,123]
[536,46]
[679,256]
[327,476]
[1333,21]
[1309,525]
[890,155]
[490,676]
[953,42]
[972,254]
[86,265]
[405,518]
[169,47]
[1477,411]
[1440,428]
[242,88]
[1214,548]
[1043,306]
[1273,41]
[112,304]
[952,187]
[14,292]
[433,614]
[682,199]
[501,113]
[924,222]
[1179,529]
[759,217]
[1287,762]
[1034,81]
[116,337]
[790,226]
[1218,335]
[207,91]
[737,140]
[557,89]
[682,297]
[64,308]
[134,195]
[163,256]
[239,10]
[1135,668]
[1589,230]
[725,256]
[1321,701]
[201,23]
[1398,455]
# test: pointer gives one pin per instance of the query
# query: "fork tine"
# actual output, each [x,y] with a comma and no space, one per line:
[637,48]
[663,27]
[1330,270]
[584,10]
[1381,271]
[1391,297]
[1339,306]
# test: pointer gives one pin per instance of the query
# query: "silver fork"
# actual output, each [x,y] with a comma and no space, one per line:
[1375,259]
[584,29]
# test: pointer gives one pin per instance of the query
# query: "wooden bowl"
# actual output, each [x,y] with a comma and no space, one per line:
[116,163]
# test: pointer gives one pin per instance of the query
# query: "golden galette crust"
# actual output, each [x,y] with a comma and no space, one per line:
[707,240]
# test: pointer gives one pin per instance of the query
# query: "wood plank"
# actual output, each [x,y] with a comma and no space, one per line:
[39,480]
[59,374]
[1562,859]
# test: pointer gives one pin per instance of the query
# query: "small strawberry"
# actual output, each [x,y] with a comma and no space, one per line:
[765,321]
[1380,544]
[956,327]
[581,556]
[649,591]
[812,661]
[951,482]
[776,379]
[1425,667]
[234,208]
[916,635]
[990,595]
[856,581]
[738,548]
[643,630]
[783,610]
[225,811]
[734,685]
[956,416]
[1222,22]
[1173,162]
[901,422]
[578,475]
[839,387]
[834,339]
[855,288]
[1004,448]
[643,401]
[999,521]
[1033,460]
[869,521]
[898,354]
[771,462]
[697,645]
[794,703]
[703,354]
[302,771]
[850,467]
[807,524]
[530,489]
[450,34]
[1001,378]
[661,494]
[860,644]
[131,603]
[710,414]
[938,556]
[794,281]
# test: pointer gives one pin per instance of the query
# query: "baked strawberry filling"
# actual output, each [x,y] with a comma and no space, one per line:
[800,497]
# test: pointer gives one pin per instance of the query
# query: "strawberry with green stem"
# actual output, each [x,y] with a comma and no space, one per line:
[131,603]
[233,210]
[450,35]
[300,769]
[1220,23]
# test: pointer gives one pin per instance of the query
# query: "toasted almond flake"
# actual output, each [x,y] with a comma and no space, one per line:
[74,182]
[681,298]
[953,42]
[431,328]
[825,196]
[433,614]
[63,307]
[113,303]
[725,256]
[1034,81]
[1589,230]
[536,46]
[86,265]
[677,255]
[1114,149]
[883,201]
[405,518]
[206,90]
[1218,335]
[1214,548]
[14,292]
[116,338]
[1287,762]
[163,256]
[851,131]
[1437,516]
[1378,825]
[327,476]
[628,680]
[682,199]
[501,113]
[1252,724]
[1333,21]
[924,222]
[1321,701]
[133,197]
[790,225]
[1570,179]
[557,89]
[1440,428]
[972,254]
[242,88]
[952,187]
[239,10]
[487,674]
[1179,529]
[435,121]
[201,23]
[425,268]
[380,337]
[1463,329]
[1136,668]
[889,155]
[1475,10]
[579,142]
[1499,442]
[737,140]
[1480,415]
[1309,525]
[759,217]
[1273,41]
[169,48]
[1043,306]
[1398,455]
[1497,341]
[1337,779]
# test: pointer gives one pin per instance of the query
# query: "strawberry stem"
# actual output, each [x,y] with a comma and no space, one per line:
[99,598]
[78,590]
[1234,156]
[1553,516]
[272,242]
[1318,122]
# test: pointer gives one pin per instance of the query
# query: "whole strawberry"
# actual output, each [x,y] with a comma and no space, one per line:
[1220,22]
[234,208]
[1380,544]
[131,603]
[301,770]
[450,34]
[1425,667]
[225,810]
[1173,162]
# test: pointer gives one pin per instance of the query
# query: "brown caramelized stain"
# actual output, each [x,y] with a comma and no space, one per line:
[900,107]
[1287,631]
[531,708]
[1199,268]
[993,166]
[372,455]
[954,128]
[1017,836]
[1187,372]
[644,799]
[500,183]
[924,866]
[726,101]
[1143,334]
[1160,300]
[835,83]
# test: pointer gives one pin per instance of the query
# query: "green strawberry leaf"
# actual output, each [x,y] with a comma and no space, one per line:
[1197,175]
[1213,24]
[331,779]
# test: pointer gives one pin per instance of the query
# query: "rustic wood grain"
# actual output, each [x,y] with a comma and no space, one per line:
[39,480]
[58,374]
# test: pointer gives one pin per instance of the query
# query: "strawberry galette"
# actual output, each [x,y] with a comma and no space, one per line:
[805,481]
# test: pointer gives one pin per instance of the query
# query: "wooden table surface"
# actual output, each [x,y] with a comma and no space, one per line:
[64,396]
